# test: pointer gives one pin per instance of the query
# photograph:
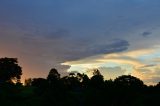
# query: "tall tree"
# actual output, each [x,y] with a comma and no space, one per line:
[85,81]
[53,74]
[97,79]
[53,77]
[10,71]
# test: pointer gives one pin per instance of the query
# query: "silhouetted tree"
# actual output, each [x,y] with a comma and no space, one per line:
[109,84]
[28,82]
[79,76]
[72,74]
[53,76]
[10,71]
[85,81]
[76,89]
[158,84]
[73,81]
[97,79]
[129,81]
[39,82]
[55,83]
[41,85]
[96,72]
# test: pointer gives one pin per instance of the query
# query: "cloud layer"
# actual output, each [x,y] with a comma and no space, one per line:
[44,34]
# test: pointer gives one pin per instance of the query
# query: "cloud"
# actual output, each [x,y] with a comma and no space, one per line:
[157,59]
[148,65]
[150,74]
[106,48]
[112,72]
[153,80]
[125,57]
[134,62]
[77,33]
[118,45]
[63,50]
[139,52]
[146,34]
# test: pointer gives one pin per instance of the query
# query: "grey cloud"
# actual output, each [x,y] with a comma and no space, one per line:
[118,45]
[146,34]
[75,52]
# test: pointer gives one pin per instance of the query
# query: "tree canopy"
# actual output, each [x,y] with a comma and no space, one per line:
[10,71]
[75,89]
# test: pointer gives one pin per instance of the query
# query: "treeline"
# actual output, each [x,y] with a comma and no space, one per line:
[76,89]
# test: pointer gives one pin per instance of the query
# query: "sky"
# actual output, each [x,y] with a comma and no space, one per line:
[116,36]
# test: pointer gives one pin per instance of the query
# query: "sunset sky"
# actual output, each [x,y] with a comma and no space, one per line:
[116,36]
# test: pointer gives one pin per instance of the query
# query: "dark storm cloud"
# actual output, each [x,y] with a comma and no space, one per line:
[118,45]
[83,51]
[146,34]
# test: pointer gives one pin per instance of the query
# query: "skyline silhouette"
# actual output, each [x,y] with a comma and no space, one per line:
[74,89]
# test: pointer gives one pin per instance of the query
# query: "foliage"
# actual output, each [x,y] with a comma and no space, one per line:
[76,89]
[10,71]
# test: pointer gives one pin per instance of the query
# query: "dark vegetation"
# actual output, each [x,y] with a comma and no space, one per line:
[76,89]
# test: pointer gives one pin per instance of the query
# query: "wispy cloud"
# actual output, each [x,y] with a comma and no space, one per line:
[128,61]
